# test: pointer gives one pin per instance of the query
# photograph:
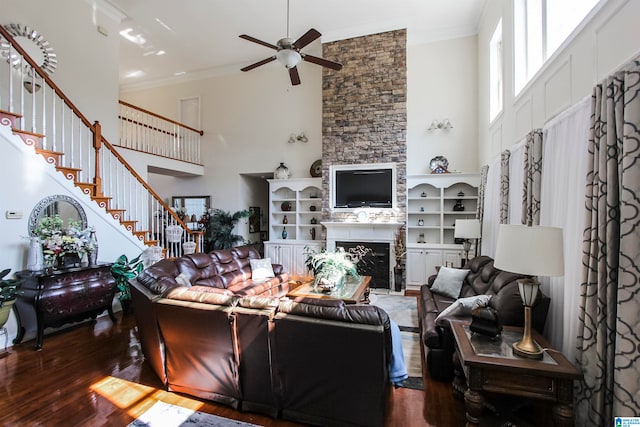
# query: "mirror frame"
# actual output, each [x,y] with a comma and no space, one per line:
[42,205]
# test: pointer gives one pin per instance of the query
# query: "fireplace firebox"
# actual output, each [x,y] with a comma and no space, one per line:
[374,264]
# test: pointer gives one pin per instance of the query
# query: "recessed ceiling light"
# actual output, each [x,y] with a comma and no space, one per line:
[133,38]
[160,52]
[180,73]
[148,53]
[133,74]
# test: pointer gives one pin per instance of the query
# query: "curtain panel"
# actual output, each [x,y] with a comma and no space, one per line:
[516,182]
[491,216]
[504,187]
[484,170]
[532,178]
[608,348]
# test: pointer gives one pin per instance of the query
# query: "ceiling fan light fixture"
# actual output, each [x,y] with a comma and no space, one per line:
[288,57]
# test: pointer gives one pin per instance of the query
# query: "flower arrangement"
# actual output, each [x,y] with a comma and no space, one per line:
[330,267]
[400,246]
[58,241]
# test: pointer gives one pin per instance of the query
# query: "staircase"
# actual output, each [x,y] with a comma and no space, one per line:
[45,119]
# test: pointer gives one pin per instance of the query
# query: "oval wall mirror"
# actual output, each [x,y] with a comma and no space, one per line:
[65,206]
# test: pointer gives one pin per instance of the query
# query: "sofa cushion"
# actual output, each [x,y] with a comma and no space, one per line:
[261,269]
[257,301]
[464,306]
[449,281]
[203,294]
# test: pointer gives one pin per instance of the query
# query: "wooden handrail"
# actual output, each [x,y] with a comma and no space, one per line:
[146,186]
[153,128]
[161,117]
[45,77]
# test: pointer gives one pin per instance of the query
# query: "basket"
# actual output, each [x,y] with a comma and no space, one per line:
[188,247]
[174,233]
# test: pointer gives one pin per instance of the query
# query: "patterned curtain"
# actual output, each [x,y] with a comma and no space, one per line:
[608,335]
[484,170]
[532,178]
[504,187]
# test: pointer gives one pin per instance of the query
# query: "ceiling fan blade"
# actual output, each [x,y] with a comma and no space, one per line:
[257,64]
[255,40]
[321,61]
[295,77]
[306,38]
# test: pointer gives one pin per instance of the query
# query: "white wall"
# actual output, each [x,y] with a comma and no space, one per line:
[29,178]
[442,83]
[247,119]
[87,69]
[606,42]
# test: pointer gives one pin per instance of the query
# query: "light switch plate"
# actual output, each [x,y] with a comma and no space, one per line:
[13,214]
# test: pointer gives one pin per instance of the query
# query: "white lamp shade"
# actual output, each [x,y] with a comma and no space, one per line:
[535,250]
[467,229]
[290,58]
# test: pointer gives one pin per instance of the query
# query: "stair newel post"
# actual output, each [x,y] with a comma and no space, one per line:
[97,145]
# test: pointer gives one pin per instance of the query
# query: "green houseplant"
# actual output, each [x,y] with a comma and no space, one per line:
[219,232]
[8,293]
[122,270]
[330,268]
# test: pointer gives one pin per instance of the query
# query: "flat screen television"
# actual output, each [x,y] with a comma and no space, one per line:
[355,188]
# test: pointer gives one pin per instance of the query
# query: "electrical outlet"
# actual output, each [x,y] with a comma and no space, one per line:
[13,214]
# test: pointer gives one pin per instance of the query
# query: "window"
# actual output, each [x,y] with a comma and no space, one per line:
[540,27]
[495,72]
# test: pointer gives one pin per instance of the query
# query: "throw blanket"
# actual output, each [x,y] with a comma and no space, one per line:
[397,369]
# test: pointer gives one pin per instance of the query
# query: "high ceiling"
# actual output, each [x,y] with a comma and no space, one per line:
[200,37]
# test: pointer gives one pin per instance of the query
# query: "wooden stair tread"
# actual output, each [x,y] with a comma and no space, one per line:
[11,113]
[45,151]
[67,168]
[26,132]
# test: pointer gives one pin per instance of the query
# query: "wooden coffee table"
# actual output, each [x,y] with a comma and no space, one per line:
[490,366]
[351,292]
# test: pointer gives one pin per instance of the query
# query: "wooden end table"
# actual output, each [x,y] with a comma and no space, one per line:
[490,366]
[351,292]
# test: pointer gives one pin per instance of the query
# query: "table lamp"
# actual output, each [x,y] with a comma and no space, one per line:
[534,251]
[467,229]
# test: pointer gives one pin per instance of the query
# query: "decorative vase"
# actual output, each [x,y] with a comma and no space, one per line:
[284,233]
[398,272]
[285,220]
[70,260]
[92,253]
[458,207]
[35,258]
[313,220]
[328,281]
[285,206]
[313,233]
[281,172]
[312,208]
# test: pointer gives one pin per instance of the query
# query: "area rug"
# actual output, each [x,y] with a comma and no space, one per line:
[404,311]
[166,415]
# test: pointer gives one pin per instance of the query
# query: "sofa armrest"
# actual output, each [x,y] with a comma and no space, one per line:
[429,312]
[431,279]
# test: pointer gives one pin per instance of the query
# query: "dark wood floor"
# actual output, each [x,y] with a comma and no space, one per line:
[95,375]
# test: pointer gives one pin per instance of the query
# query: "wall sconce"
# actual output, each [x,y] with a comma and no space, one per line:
[444,124]
[301,137]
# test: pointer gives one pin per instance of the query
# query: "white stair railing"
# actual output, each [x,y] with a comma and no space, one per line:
[45,118]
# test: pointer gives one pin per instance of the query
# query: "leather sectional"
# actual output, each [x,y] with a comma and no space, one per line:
[483,279]
[228,339]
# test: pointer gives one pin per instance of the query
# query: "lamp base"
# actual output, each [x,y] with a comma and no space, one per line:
[528,350]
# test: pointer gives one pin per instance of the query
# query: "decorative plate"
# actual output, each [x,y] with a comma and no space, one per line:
[316,169]
[439,164]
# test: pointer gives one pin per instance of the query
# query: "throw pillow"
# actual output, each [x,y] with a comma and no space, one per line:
[261,269]
[465,306]
[449,281]
[183,280]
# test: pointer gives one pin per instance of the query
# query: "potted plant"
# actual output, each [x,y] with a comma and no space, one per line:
[219,232]
[8,294]
[399,251]
[122,270]
[329,268]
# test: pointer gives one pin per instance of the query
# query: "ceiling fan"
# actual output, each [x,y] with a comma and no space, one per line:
[288,52]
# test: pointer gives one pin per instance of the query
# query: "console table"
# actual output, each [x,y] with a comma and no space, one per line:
[52,298]
[490,365]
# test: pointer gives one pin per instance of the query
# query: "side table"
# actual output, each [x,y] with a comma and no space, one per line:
[489,365]
[52,298]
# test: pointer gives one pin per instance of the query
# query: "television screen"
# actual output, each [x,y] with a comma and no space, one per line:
[364,188]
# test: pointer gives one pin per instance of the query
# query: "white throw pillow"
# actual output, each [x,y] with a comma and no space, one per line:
[449,281]
[464,306]
[261,269]
[183,280]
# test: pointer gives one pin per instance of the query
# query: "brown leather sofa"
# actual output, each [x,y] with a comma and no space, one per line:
[483,278]
[308,360]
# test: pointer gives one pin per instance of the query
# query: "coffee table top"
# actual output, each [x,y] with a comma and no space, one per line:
[350,292]
[481,351]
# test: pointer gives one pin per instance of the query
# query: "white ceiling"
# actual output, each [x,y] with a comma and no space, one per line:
[200,37]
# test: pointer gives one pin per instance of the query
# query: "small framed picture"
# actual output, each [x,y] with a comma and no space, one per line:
[254,219]
[263,236]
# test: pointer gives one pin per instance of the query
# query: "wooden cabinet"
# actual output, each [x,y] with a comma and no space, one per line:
[434,202]
[291,255]
[54,298]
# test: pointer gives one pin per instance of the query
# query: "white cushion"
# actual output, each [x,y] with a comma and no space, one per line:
[449,281]
[465,306]
[261,269]
[183,280]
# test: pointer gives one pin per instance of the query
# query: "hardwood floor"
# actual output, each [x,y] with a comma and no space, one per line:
[95,375]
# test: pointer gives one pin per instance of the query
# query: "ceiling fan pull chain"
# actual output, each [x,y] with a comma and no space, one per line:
[287,18]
